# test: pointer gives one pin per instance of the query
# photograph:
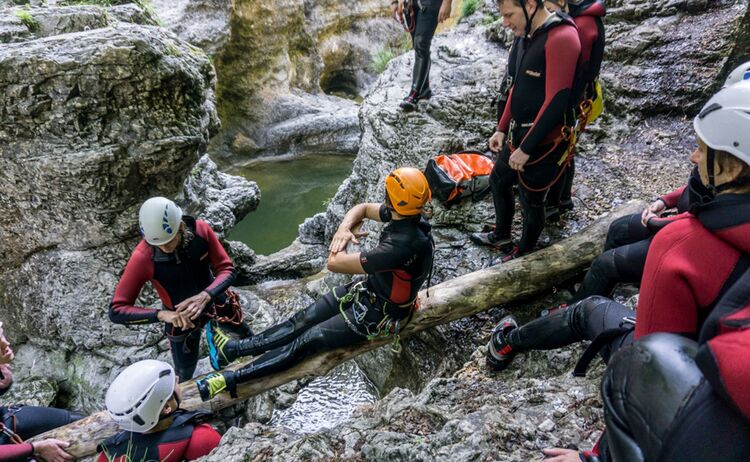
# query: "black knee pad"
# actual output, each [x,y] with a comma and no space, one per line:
[422,45]
[579,315]
[605,265]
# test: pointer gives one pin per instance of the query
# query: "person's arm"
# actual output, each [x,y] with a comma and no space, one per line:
[348,230]
[15,452]
[222,265]
[122,309]
[670,199]
[445,10]
[562,50]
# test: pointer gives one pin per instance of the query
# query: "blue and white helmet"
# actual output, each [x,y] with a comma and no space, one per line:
[740,73]
[159,220]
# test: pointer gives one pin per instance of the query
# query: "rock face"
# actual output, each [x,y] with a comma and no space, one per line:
[273,63]
[97,116]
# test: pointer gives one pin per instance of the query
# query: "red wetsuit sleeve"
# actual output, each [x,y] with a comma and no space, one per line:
[504,123]
[221,264]
[15,452]
[138,271]
[561,50]
[203,441]
[588,33]
[670,199]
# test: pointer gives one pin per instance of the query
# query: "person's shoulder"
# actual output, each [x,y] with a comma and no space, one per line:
[680,233]
[203,229]
[143,250]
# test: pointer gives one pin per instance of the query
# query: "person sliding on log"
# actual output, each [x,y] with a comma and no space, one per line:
[191,272]
[18,423]
[587,14]
[536,121]
[420,18]
[691,263]
[379,305]
[144,401]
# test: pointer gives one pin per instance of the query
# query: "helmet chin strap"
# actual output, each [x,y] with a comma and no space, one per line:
[528,19]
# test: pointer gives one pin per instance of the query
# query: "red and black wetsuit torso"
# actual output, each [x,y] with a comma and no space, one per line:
[201,263]
[401,262]
[185,439]
[692,262]
[540,98]
[588,19]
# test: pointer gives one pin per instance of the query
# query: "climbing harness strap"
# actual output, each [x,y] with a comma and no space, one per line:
[387,327]
[233,302]
[601,340]
[9,432]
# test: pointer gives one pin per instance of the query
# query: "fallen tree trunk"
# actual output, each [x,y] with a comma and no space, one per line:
[448,301]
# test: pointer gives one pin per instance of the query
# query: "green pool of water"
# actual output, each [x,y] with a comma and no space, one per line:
[291,190]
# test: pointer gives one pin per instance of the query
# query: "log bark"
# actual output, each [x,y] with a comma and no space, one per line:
[457,298]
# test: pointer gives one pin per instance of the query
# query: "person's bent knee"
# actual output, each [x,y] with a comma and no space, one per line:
[422,43]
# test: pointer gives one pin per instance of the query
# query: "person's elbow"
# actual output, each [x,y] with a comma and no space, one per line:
[114,315]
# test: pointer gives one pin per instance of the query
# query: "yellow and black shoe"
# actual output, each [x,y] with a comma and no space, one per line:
[219,346]
[216,382]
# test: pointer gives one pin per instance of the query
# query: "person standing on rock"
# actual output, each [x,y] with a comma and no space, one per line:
[186,264]
[531,137]
[374,307]
[18,423]
[420,18]
[144,401]
[691,264]
[587,14]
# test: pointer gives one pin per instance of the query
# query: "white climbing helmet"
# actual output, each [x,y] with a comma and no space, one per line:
[724,122]
[740,73]
[159,220]
[137,396]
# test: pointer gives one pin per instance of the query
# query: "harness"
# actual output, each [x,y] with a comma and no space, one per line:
[388,325]
[408,23]
[568,134]
[8,432]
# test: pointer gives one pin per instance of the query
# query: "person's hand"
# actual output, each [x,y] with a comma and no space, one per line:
[397,10]
[654,210]
[561,455]
[176,319]
[52,450]
[445,11]
[343,236]
[518,159]
[496,141]
[193,307]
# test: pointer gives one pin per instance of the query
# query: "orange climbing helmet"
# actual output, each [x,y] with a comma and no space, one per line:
[407,190]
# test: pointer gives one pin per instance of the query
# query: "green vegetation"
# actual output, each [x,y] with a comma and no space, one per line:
[489,19]
[88,2]
[27,19]
[381,59]
[468,7]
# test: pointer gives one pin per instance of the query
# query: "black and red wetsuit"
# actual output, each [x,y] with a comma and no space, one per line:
[185,439]
[396,270]
[539,102]
[199,264]
[27,422]
[588,19]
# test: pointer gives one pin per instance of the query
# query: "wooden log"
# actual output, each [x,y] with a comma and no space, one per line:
[457,298]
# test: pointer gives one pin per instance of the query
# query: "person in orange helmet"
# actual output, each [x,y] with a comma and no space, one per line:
[377,306]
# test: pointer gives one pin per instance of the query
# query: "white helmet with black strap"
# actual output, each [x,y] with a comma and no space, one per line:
[159,220]
[137,396]
[724,125]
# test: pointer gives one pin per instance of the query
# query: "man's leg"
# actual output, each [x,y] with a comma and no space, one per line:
[29,421]
[426,22]
[585,320]
[622,264]
[626,230]
[224,350]
[185,354]
[658,406]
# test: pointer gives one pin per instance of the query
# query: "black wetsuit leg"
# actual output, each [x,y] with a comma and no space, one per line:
[533,188]
[658,406]
[284,332]
[29,421]
[622,264]
[583,321]
[185,351]
[502,179]
[426,21]
[626,230]
[330,334]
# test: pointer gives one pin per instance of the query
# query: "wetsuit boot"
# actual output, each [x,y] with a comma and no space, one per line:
[223,349]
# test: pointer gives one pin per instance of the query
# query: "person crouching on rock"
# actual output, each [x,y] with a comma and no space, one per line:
[144,401]
[420,18]
[534,121]
[183,260]
[18,423]
[378,306]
